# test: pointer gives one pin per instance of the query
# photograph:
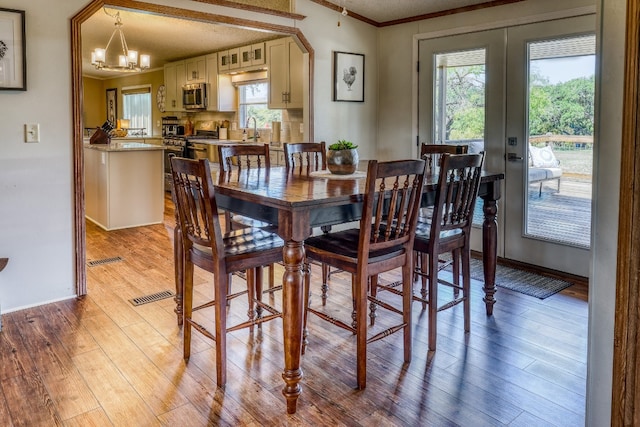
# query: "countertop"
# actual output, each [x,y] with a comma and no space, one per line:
[124,146]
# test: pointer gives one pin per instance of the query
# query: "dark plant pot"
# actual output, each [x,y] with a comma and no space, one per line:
[342,162]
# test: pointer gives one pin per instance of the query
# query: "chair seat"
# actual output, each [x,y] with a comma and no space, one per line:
[424,229]
[245,221]
[245,241]
[344,244]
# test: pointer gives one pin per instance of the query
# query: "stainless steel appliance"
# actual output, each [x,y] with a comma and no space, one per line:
[173,144]
[194,96]
[198,146]
[170,126]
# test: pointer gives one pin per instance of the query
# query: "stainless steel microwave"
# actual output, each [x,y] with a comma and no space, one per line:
[194,96]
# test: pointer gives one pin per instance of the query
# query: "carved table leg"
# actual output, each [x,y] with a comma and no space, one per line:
[178,263]
[490,245]
[292,301]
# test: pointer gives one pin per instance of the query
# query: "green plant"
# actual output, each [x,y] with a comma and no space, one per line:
[343,145]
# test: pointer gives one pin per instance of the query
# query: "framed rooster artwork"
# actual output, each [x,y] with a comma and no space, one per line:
[348,77]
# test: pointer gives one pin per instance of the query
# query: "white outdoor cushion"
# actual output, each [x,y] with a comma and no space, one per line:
[543,157]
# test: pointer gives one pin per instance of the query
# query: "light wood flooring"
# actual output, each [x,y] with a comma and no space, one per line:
[100,361]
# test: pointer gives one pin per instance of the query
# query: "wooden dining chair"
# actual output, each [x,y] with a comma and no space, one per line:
[449,232]
[382,242]
[432,154]
[204,245]
[305,156]
[243,157]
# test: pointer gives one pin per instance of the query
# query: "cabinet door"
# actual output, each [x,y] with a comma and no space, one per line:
[171,101]
[223,61]
[174,79]
[212,80]
[252,55]
[234,58]
[180,81]
[257,54]
[295,95]
[196,70]
[277,73]
[246,56]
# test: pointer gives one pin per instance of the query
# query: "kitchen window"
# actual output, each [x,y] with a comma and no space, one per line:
[137,109]
[253,98]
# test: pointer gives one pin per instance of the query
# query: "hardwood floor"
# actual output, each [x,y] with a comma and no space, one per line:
[101,361]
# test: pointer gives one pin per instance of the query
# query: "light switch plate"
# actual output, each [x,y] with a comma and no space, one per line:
[32,132]
[301,127]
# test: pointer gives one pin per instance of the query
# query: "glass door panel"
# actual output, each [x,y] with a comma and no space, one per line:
[549,128]
[560,134]
[461,89]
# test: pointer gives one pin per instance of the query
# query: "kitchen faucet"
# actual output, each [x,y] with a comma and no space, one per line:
[256,135]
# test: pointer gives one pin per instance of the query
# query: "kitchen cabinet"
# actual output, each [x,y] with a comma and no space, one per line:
[174,79]
[228,60]
[124,184]
[222,94]
[276,156]
[252,55]
[285,64]
[196,69]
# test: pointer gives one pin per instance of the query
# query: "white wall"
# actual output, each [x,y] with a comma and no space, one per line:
[36,219]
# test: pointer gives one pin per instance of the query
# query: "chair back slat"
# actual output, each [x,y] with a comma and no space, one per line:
[456,194]
[196,203]
[391,203]
[243,156]
[432,154]
[305,156]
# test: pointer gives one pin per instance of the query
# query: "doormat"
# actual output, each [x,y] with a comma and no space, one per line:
[521,281]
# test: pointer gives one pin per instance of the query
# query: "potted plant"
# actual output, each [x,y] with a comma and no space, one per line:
[342,157]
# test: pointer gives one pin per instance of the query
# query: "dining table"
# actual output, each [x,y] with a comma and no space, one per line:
[294,203]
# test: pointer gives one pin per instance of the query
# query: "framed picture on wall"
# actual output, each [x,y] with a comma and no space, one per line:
[13,60]
[112,105]
[348,77]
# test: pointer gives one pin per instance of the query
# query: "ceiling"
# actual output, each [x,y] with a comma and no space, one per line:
[382,11]
[169,39]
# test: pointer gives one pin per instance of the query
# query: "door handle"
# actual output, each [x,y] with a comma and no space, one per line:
[513,157]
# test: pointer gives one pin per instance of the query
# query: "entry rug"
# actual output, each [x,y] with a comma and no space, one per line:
[524,282]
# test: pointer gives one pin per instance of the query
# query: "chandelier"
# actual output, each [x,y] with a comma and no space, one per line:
[127,61]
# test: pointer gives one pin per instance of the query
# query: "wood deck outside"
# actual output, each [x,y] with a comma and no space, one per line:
[101,361]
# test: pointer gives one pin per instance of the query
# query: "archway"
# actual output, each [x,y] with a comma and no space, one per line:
[77,97]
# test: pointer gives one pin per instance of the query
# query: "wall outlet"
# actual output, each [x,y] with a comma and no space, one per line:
[32,132]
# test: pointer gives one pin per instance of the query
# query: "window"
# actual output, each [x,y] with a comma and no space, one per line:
[137,109]
[253,103]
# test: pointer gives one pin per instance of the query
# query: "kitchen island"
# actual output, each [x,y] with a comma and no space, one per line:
[124,184]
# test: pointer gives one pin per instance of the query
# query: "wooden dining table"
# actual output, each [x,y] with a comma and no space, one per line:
[298,201]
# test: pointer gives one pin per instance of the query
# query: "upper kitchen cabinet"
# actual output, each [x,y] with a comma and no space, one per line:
[196,69]
[285,64]
[222,94]
[174,79]
[252,55]
[228,60]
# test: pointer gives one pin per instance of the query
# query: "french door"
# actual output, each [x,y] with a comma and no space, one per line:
[479,89]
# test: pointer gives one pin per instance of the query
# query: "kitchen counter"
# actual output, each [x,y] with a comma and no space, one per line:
[122,145]
[124,184]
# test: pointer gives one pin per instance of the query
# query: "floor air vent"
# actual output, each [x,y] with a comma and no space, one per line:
[104,261]
[151,298]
